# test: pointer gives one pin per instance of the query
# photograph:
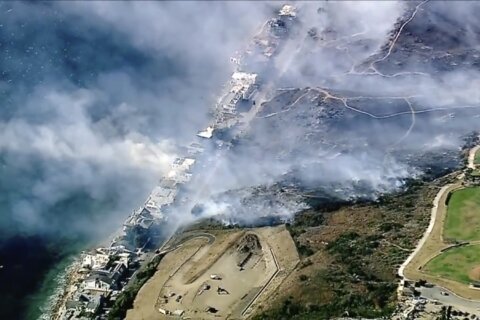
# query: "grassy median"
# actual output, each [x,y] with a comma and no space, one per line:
[460,264]
[463,216]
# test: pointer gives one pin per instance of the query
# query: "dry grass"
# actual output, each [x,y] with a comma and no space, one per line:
[356,251]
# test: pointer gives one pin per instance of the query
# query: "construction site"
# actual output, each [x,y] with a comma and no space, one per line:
[217,274]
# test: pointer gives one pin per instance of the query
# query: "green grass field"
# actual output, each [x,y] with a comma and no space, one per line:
[477,158]
[463,215]
[455,264]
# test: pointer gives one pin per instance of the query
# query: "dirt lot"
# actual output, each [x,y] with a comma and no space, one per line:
[144,304]
[221,279]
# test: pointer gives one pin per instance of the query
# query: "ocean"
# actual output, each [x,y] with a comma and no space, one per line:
[56,199]
[94,97]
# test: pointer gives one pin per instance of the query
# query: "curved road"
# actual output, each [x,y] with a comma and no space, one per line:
[433,218]
[435,292]
[210,239]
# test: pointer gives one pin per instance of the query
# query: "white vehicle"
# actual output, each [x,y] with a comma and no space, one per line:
[215,277]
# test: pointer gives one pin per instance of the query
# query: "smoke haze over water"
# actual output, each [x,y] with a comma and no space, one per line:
[97,96]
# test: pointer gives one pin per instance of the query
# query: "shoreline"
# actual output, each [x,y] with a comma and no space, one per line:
[55,304]
[245,86]
[65,291]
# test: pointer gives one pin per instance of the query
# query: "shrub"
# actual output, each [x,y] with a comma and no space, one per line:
[303,277]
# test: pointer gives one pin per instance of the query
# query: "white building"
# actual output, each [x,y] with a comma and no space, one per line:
[207,133]
[183,163]
[142,217]
[95,261]
[98,283]
[104,281]
[195,148]
[181,170]
[242,80]
[158,199]
[288,11]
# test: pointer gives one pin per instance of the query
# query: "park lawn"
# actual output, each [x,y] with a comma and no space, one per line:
[455,264]
[463,215]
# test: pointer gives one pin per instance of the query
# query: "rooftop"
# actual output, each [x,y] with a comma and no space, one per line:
[288,10]
[207,133]
[244,78]
[168,183]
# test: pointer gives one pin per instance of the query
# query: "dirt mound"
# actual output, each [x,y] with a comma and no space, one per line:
[248,246]
[474,273]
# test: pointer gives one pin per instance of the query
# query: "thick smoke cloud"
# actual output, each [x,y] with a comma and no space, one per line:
[99,100]
[373,107]
[97,96]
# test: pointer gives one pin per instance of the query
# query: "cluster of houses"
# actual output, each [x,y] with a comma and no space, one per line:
[267,42]
[243,85]
[240,88]
[162,197]
[102,275]
[104,272]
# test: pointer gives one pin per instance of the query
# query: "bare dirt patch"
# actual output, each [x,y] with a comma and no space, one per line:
[223,279]
[474,274]
[144,304]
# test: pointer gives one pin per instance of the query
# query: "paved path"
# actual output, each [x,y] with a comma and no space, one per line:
[427,233]
[435,292]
